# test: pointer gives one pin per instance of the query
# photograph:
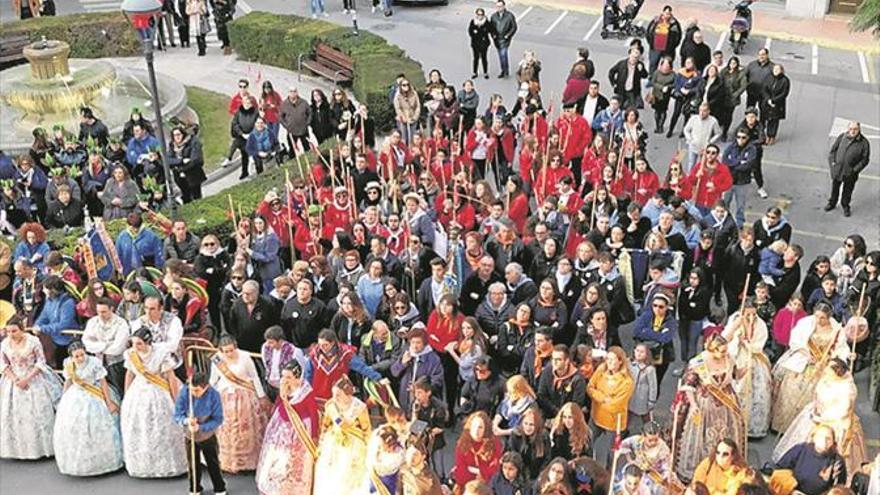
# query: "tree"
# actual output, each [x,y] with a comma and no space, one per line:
[867,17]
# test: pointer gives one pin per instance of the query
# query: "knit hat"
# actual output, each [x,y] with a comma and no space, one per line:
[372,185]
[271,197]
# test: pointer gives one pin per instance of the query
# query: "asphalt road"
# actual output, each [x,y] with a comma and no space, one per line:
[837,85]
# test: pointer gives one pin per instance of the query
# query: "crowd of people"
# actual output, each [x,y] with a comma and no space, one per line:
[479,302]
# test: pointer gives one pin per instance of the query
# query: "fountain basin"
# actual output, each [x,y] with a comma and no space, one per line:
[110,90]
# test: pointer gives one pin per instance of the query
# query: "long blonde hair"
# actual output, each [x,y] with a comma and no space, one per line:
[518,387]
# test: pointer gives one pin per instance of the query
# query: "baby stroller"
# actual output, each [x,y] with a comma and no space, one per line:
[621,23]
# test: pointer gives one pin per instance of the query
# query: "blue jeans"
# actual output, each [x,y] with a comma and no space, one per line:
[317,7]
[689,342]
[692,159]
[740,193]
[502,58]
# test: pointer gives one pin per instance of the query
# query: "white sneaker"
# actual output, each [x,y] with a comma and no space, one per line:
[374,9]
[314,16]
[325,14]
[219,493]
[345,11]
[762,193]
[226,162]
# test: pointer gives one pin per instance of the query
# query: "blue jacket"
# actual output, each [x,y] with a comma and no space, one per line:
[144,249]
[208,409]
[644,327]
[23,250]
[770,263]
[59,313]
[265,257]
[604,121]
[741,162]
[137,147]
[260,141]
[370,292]
[429,366]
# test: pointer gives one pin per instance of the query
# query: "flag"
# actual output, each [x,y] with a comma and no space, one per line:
[103,259]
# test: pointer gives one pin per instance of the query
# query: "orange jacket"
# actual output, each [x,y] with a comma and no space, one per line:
[610,395]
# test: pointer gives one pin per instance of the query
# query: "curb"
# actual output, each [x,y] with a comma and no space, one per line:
[873,49]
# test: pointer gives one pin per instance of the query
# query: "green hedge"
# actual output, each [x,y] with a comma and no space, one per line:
[89,35]
[279,40]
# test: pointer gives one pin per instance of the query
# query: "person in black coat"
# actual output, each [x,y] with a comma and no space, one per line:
[662,46]
[380,348]
[92,127]
[303,316]
[740,259]
[849,155]
[477,284]
[431,289]
[211,264]
[531,441]
[771,227]
[321,120]
[536,362]
[250,316]
[478,30]
[563,384]
[699,51]
[65,211]
[693,309]
[494,310]
[187,163]
[791,278]
[483,392]
[243,123]
[774,101]
[687,41]
[628,87]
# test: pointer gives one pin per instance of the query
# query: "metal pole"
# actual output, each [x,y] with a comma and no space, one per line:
[157,108]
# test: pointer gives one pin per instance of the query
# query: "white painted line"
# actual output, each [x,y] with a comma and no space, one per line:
[815,68]
[524,13]
[721,38]
[594,28]
[768,42]
[247,9]
[863,64]
[556,22]
[98,1]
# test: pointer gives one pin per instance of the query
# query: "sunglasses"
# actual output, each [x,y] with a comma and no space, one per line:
[400,306]
[208,244]
[237,278]
[242,86]
[658,306]
[711,152]
[723,453]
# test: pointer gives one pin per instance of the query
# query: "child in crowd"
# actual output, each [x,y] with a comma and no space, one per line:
[784,321]
[827,292]
[765,307]
[644,397]
[510,479]
[771,262]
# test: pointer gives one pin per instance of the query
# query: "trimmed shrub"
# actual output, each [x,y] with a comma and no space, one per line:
[279,40]
[89,35]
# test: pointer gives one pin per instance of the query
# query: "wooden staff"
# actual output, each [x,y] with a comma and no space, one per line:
[674,435]
[858,316]
[192,436]
[240,215]
[232,213]
[333,169]
[700,172]
[363,136]
[747,379]
[289,213]
[459,139]
[616,454]
[543,181]
[593,209]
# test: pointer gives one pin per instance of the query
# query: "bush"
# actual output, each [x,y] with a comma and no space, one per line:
[89,35]
[279,40]
[213,124]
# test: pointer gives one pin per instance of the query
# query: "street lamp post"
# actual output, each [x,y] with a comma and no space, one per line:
[143,17]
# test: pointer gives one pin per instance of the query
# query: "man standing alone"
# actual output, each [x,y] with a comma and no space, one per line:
[849,155]
[663,35]
[503,29]
[201,416]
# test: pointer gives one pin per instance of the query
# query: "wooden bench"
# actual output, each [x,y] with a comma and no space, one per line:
[331,63]
[11,47]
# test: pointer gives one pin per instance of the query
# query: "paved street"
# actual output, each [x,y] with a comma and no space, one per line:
[829,87]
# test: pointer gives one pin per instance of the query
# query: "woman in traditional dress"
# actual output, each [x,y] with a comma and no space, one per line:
[87,438]
[747,334]
[651,454]
[234,375]
[707,407]
[416,476]
[385,457]
[289,450]
[28,394]
[814,341]
[152,443]
[342,453]
[833,405]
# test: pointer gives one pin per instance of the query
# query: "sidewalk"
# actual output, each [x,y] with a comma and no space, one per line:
[219,73]
[770,20]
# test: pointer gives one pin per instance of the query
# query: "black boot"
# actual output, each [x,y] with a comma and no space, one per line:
[661,120]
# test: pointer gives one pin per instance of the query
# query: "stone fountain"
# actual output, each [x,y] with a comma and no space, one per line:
[52,88]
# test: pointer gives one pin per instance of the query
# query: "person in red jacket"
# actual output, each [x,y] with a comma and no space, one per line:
[278,216]
[517,204]
[312,238]
[529,161]
[338,214]
[441,168]
[548,177]
[242,93]
[644,181]
[536,125]
[477,452]
[710,179]
[394,154]
[502,152]
[575,135]
[592,162]
[453,209]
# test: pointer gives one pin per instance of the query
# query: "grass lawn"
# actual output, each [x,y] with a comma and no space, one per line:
[213,124]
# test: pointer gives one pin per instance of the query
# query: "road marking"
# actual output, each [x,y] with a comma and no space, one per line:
[524,13]
[809,168]
[103,6]
[863,64]
[768,42]
[556,22]
[594,28]
[83,2]
[815,67]
[721,38]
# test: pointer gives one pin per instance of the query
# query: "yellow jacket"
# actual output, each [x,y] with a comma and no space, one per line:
[610,394]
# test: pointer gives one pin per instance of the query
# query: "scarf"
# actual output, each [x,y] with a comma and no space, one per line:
[474,259]
[540,357]
[558,381]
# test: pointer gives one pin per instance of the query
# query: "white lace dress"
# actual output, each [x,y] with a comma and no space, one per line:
[87,438]
[153,444]
[27,416]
